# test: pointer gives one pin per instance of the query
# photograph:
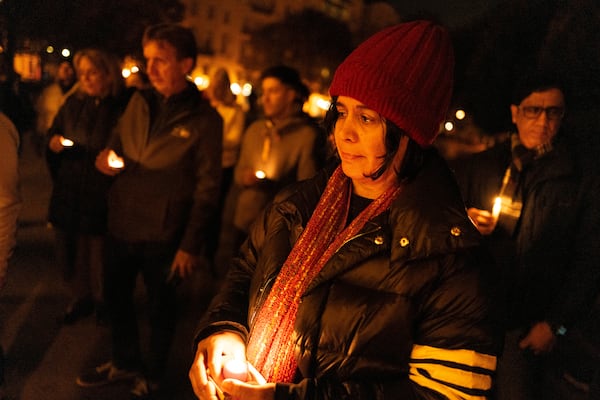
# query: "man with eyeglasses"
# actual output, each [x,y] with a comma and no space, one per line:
[538,210]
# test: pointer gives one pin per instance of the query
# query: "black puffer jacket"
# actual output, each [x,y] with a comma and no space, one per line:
[399,312]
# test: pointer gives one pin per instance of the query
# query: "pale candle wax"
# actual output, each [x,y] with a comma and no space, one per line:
[236,369]
[114,161]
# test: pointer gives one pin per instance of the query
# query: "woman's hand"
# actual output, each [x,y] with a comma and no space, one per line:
[55,144]
[211,354]
[256,387]
[248,177]
[238,390]
[484,220]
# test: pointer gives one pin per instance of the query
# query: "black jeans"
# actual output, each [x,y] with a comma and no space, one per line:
[123,262]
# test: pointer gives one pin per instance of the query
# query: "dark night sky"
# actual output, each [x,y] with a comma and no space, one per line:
[453,13]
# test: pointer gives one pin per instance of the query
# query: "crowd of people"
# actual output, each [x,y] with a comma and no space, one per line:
[352,260]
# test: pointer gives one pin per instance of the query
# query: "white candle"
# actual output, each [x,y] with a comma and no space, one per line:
[260,174]
[66,142]
[497,207]
[236,369]
[114,161]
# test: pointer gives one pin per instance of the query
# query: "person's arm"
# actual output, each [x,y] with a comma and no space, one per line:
[207,161]
[579,290]
[458,339]
[233,130]
[10,199]
[243,174]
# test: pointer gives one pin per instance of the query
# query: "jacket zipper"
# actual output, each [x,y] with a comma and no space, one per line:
[361,234]
[260,299]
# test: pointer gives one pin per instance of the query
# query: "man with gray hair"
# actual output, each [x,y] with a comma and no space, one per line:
[167,145]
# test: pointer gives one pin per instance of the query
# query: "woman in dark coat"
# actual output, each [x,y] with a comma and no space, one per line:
[367,281]
[77,209]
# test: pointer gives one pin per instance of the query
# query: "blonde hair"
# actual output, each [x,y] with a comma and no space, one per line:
[105,62]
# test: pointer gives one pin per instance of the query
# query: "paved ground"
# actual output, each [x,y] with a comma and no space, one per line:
[43,357]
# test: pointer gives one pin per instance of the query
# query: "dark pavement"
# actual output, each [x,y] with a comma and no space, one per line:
[43,358]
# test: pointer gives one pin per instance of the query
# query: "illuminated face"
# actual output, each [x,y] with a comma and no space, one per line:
[277,99]
[535,130]
[93,81]
[166,73]
[359,136]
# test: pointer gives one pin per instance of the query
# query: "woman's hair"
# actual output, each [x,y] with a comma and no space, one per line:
[219,89]
[413,158]
[105,62]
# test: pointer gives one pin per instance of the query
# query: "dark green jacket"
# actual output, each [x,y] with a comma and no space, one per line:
[169,188]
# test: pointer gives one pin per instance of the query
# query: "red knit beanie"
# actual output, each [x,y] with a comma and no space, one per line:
[404,73]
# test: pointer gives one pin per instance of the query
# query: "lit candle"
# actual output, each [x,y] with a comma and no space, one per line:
[236,369]
[260,174]
[114,161]
[497,207]
[66,142]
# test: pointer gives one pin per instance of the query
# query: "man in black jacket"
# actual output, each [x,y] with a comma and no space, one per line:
[537,210]
[169,143]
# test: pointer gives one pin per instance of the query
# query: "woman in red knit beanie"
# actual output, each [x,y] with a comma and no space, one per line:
[367,281]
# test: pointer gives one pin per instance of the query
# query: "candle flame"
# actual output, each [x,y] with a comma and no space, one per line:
[66,142]
[497,207]
[114,161]
[260,174]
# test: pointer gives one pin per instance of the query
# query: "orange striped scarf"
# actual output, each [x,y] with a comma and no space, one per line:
[271,344]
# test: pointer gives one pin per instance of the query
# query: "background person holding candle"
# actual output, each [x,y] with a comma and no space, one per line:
[367,281]
[160,205]
[78,207]
[278,149]
[545,238]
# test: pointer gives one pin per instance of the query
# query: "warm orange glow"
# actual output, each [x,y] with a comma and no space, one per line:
[114,161]
[497,207]
[66,142]
[236,369]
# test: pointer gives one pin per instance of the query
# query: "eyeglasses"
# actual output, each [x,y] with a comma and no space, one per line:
[533,112]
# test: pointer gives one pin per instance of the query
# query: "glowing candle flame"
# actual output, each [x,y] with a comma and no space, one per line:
[66,142]
[260,174]
[114,161]
[236,369]
[497,207]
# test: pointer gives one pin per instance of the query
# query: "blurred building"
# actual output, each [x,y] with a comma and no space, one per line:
[223,27]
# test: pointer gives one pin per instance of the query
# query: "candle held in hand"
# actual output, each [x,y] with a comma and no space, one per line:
[236,369]
[66,142]
[260,174]
[114,161]
[497,207]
